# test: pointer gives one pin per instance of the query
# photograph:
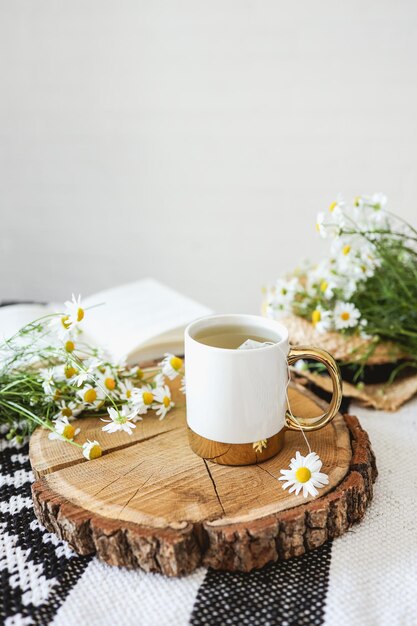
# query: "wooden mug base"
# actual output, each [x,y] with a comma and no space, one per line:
[236,453]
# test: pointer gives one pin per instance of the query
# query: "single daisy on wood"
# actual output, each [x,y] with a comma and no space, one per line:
[119,420]
[304,474]
[91,450]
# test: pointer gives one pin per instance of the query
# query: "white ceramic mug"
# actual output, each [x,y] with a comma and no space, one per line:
[236,399]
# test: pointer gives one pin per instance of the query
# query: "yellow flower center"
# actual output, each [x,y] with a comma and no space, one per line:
[316,316]
[317,227]
[147,398]
[323,285]
[90,395]
[95,452]
[128,393]
[346,249]
[303,474]
[69,346]
[80,315]
[345,316]
[57,394]
[68,431]
[70,371]
[65,321]
[176,363]
[166,401]
[66,411]
[332,207]
[110,383]
[139,373]
[357,200]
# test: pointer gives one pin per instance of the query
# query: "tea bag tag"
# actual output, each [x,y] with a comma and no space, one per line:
[250,344]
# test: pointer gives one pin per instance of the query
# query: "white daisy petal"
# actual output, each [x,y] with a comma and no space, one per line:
[321,478]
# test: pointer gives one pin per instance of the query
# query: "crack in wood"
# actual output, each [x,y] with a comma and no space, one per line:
[214,486]
[218,456]
[265,470]
[118,478]
[136,492]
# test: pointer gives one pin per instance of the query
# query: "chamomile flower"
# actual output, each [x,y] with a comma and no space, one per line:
[107,380]
[68,409]
[321,319]
[304,474]
[92,450]
[119,420]
[336,204]
[92,397]
[91,369]
[69,372]
[377,201]
[349,286]
[133,372]
[171,365]
[163,401]
[345,315]
[69,345]
[75,312]
[126,390]
[345,251]
[337,208]
[321,225]
[368,261]
[159,380]
[63,429]
[327,287]
[144,399]
[82,377]
[283,293]
[48,382]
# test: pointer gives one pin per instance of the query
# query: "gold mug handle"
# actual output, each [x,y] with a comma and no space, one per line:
[309,352]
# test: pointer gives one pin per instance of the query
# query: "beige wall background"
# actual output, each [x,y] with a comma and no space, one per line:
[194,141]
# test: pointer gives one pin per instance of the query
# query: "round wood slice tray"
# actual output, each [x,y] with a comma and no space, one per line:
[149,502]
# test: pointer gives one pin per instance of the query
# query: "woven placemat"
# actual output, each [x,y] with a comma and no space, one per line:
[377,395]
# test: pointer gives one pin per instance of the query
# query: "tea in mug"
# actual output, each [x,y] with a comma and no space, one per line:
[232,337]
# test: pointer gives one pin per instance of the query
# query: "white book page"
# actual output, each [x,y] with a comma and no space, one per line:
[132,315]
[14,316]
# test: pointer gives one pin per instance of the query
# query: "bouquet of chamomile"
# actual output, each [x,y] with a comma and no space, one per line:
[49,376]
[364,287]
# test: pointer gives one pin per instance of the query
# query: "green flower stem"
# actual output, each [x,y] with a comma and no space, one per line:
[37,420]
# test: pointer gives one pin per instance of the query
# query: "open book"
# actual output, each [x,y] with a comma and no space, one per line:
[138,321]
